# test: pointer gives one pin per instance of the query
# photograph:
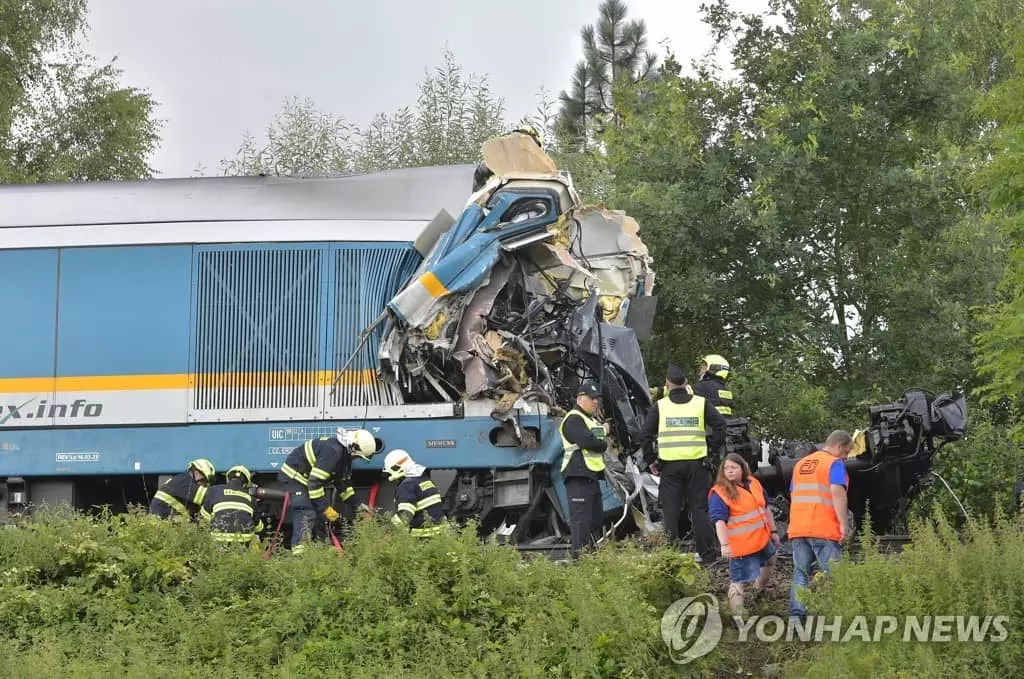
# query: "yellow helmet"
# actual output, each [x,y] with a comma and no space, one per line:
[204,466]
[717,366]
[239,470]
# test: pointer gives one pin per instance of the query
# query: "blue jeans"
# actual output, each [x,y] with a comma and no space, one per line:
[747,568]
[808,553]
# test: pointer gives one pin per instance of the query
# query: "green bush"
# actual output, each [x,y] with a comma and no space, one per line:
[983,470]
[133,596]
[943,572]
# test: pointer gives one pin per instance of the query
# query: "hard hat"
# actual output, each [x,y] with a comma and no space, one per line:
[239,470]
[397,464]
[204,466]
[359,442]
[717,366]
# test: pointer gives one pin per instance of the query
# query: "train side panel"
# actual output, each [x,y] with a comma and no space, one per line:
[122,335]
[27,336]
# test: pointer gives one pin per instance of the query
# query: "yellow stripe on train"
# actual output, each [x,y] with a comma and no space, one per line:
[252,380]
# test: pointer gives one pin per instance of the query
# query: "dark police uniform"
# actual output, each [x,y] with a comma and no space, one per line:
[306,473]
[678,423]
[583,444]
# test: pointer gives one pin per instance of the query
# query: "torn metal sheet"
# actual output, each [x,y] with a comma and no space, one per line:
[521,296]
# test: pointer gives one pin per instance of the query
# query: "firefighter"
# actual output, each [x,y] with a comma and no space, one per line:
[818,523]
[678,422]
[228,508]
[417,498]
[308,470]
[183,494]
[584,441]
[483,174]
[714,372]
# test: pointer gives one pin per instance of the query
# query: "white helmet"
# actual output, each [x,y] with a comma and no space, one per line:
[398,464]
[359,442]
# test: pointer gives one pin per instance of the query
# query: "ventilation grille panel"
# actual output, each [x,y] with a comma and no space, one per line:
[365,279]
[258,329]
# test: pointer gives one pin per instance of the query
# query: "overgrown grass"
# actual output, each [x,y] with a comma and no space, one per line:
[976,572]
[130,596]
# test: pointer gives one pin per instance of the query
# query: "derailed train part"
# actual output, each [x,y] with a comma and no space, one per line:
[516,301]
[489,311]
[892,463]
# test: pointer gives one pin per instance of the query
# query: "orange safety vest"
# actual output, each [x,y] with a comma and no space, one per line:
[812,514]
[747,528]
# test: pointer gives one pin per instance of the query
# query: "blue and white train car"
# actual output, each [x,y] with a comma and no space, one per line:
[148,323]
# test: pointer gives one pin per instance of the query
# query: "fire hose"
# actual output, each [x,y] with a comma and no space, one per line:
[284,512]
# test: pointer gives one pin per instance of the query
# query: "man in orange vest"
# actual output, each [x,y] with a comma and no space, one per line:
[818,524]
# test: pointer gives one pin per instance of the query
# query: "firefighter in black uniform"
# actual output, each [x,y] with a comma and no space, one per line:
[308,470]
[417,498]
[714,372]
[584,441]
[228,508]
[183,494]
[678,423]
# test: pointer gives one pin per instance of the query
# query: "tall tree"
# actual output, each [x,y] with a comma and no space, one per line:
[1001,344]
[454,114]
[811,216]
[62,118]
[614,53]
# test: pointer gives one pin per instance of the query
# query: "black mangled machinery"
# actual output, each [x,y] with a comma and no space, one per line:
[893,461]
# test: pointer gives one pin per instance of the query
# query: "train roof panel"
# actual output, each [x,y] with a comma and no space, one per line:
[406,195]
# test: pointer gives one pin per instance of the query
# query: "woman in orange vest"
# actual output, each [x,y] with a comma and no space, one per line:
[746,530]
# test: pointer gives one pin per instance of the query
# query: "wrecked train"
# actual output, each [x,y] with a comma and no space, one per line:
[234,318]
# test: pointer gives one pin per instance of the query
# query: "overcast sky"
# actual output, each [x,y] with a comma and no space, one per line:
[219,68]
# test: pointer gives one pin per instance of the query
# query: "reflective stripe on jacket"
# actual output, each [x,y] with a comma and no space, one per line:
[747,528]
[420,497]
[593,461]
[812,513]
[681,432]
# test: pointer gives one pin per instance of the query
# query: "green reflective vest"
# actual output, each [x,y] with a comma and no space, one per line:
[681,433]
[594,461]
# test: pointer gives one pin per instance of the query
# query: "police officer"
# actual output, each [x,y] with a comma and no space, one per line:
[183,494]
[228,508]
[714,371]
[418,499]
[583,443]
[678,422]
[308,470]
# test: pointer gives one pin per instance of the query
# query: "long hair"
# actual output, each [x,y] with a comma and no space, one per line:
[728,486]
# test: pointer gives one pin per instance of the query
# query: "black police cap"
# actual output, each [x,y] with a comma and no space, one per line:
[675,374]
[589,388]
